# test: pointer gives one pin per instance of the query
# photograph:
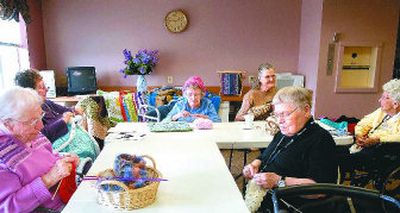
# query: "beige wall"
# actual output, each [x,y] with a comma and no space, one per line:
[357,21]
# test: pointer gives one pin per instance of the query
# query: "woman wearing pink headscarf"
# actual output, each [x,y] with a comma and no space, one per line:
[193,105]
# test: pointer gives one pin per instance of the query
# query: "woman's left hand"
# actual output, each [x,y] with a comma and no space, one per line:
[74,158]
[78,110]
[267,180]
[370,141]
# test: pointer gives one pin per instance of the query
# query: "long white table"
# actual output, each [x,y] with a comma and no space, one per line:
[228,135]
[198,179]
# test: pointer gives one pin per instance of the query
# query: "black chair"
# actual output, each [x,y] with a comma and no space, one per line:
[362,200]
[380,167]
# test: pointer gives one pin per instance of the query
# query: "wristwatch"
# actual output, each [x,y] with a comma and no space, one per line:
[281,182]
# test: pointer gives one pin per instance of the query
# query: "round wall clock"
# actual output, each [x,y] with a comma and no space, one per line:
[176,21]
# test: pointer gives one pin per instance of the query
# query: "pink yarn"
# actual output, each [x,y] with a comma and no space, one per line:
[195,81]
[203,123]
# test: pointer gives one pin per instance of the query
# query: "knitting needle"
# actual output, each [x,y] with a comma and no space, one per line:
[126,179]
[58,187]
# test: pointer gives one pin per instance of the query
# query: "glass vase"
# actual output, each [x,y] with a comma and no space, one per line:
[141,83]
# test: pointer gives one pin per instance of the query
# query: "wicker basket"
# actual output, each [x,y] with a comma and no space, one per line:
[129,199]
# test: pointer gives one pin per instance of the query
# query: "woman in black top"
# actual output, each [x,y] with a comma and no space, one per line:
[301,152]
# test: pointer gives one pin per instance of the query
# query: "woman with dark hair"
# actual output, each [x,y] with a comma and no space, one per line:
[56,117]
[58,124]
[258,100]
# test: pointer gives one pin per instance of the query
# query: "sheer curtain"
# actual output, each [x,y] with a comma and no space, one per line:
[14,55]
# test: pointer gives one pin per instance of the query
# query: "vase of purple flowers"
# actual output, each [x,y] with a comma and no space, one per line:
[142,64]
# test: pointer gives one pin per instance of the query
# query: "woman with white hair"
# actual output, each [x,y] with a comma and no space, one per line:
[302,152]
[380,127]
[383,125]
[29,170]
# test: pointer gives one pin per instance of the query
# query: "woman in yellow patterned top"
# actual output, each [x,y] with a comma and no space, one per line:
[258,100]
[383,125]
[380,127]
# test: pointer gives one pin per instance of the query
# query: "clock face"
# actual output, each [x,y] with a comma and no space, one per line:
[176,21]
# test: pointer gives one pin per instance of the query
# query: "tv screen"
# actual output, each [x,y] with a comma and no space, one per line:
[81,80]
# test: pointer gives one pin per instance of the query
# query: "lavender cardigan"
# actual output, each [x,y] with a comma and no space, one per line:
[21,168]
[54,125]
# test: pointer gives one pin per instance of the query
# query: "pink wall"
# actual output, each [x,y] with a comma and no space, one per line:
[223,34]
[310,32]
[36,46]
[357,21]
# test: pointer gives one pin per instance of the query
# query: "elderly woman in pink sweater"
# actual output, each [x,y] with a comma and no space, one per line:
[29,170]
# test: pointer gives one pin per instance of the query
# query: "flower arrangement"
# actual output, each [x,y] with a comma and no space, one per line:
[142,64]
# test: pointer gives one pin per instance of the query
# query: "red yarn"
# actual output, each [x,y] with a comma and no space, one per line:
[68,186]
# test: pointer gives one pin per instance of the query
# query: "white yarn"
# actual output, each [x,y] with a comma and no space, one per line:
[254,196]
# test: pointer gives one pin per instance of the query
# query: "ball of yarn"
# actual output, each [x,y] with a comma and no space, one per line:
[128,166]
[203,123]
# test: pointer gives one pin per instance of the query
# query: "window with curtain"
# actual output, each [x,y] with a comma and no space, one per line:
[13,54]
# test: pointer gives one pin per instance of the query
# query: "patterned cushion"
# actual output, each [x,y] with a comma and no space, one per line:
[120,105]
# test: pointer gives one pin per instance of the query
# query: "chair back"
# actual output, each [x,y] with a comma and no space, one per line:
[147,108]
[386,203]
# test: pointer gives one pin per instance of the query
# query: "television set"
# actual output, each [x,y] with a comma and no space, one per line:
[81,80]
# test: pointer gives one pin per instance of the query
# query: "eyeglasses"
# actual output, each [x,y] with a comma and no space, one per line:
[33,122]
[284,115]
[189,94]
[270,76]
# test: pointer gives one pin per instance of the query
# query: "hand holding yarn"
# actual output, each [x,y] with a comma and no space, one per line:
[61,169]
[67,117]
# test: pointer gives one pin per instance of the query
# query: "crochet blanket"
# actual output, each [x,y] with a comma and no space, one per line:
[170,127]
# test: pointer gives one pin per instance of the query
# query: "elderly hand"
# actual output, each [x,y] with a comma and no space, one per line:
[62,168]
[365,141]
[267,180]
[251,169]
[67,117]
[78,110]
[73,156]
[182,114]
[371,141]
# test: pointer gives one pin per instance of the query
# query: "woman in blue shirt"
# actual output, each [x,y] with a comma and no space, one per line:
[193,105]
